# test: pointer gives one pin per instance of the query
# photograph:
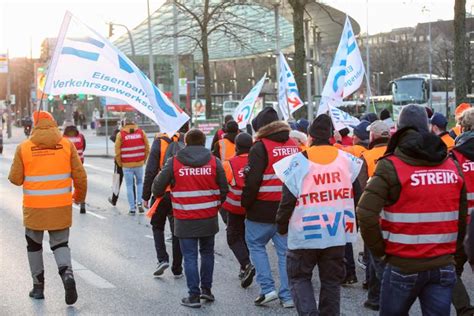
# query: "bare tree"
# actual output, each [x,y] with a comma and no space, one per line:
[209,17]
[298,34]
[460,50]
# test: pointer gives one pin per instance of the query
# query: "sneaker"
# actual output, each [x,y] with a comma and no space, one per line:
[365,285]
[141,210]
[69,287]
[191,301]
[247,279]
[83,208]
[241,274]
[131,212]
[160,269]
[178,276]
[288,304]
[350,279]
[111,201]
[360,260]
[37,292]
[266,298]
[371,306]
[207,295]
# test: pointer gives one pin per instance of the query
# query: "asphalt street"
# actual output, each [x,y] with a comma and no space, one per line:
[114,261]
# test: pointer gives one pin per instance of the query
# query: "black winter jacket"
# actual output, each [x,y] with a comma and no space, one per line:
[193,156]
[153,165]
[257,210]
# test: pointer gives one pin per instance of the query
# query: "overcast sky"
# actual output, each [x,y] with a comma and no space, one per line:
[22,20]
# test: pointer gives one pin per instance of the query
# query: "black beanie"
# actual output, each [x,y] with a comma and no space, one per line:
[385,114]
[243,142]
[413,115]
[321,128]
[231,127]
[266,116]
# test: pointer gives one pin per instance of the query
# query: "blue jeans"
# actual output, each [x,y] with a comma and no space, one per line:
[375,267]
[257,236]
[432,287]
[129,174]
[194,277]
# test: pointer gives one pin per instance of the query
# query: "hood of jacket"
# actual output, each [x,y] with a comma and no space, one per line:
[129,127]
[194,156]
[277,131]
[465,144]
[417,148]
[379,142]
[46,134]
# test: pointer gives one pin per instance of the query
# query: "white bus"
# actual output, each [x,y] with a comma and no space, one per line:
[415,89]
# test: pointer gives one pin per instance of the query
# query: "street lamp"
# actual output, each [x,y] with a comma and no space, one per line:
[425,9]
[111,27]
[378,73]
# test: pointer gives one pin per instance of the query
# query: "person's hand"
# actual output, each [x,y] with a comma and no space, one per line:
[145,203]
[337,136]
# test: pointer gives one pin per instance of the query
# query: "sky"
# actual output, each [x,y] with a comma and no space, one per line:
[25,23]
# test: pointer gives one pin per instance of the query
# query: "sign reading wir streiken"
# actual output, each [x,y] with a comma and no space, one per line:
[90,64]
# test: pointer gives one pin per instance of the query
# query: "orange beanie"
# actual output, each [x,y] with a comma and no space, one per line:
[41,115]
[461,108]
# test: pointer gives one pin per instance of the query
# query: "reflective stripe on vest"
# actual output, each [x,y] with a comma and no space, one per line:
[467,167]
[227,149]
[133,146]
[234,197]
[47,181]
[271,186]
[195,194]
[423,223]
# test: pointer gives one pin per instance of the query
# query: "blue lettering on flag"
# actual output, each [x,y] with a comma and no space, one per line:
[88,40]
[80,53]
[124,65]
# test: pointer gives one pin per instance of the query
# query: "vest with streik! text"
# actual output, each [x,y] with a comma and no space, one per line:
[133,146]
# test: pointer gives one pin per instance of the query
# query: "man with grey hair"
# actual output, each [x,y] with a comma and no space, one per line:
[413,215]
[464,154]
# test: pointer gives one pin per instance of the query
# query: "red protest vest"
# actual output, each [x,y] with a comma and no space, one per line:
[195,194]
[133,146]
[467,167]
[232,202]
[220,134]
[271,186]
[78,142]
[423,223]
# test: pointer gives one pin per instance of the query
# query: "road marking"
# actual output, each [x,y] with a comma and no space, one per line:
[98,168]
[90,212]
[90,277]
[149,236]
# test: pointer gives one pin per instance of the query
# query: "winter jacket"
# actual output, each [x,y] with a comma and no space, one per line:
[46,135]
[413,148]
[118,150]
[153,165]
[194,156]
[465,146]
[257,210]
[288,203]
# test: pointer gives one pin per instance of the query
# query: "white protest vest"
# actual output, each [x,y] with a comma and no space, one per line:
[324,215]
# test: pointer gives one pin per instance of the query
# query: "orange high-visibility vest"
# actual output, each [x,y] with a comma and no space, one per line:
[48,181]
[371,156]
[448,140]
[227,149]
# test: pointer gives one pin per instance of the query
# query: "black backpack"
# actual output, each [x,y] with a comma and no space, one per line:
[175,144]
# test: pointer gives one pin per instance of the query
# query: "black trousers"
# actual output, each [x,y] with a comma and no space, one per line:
[236,238]
[460,298]
[158,222]
[300,264]
[119,170]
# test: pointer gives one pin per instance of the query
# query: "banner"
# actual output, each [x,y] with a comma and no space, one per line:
[86,62]
[341,119]
[242,113]
[288,94]
[347,70]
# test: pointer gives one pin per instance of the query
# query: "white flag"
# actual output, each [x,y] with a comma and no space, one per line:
[288,94]
[347,70]
[341,119]
[243,112]
[86,62]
